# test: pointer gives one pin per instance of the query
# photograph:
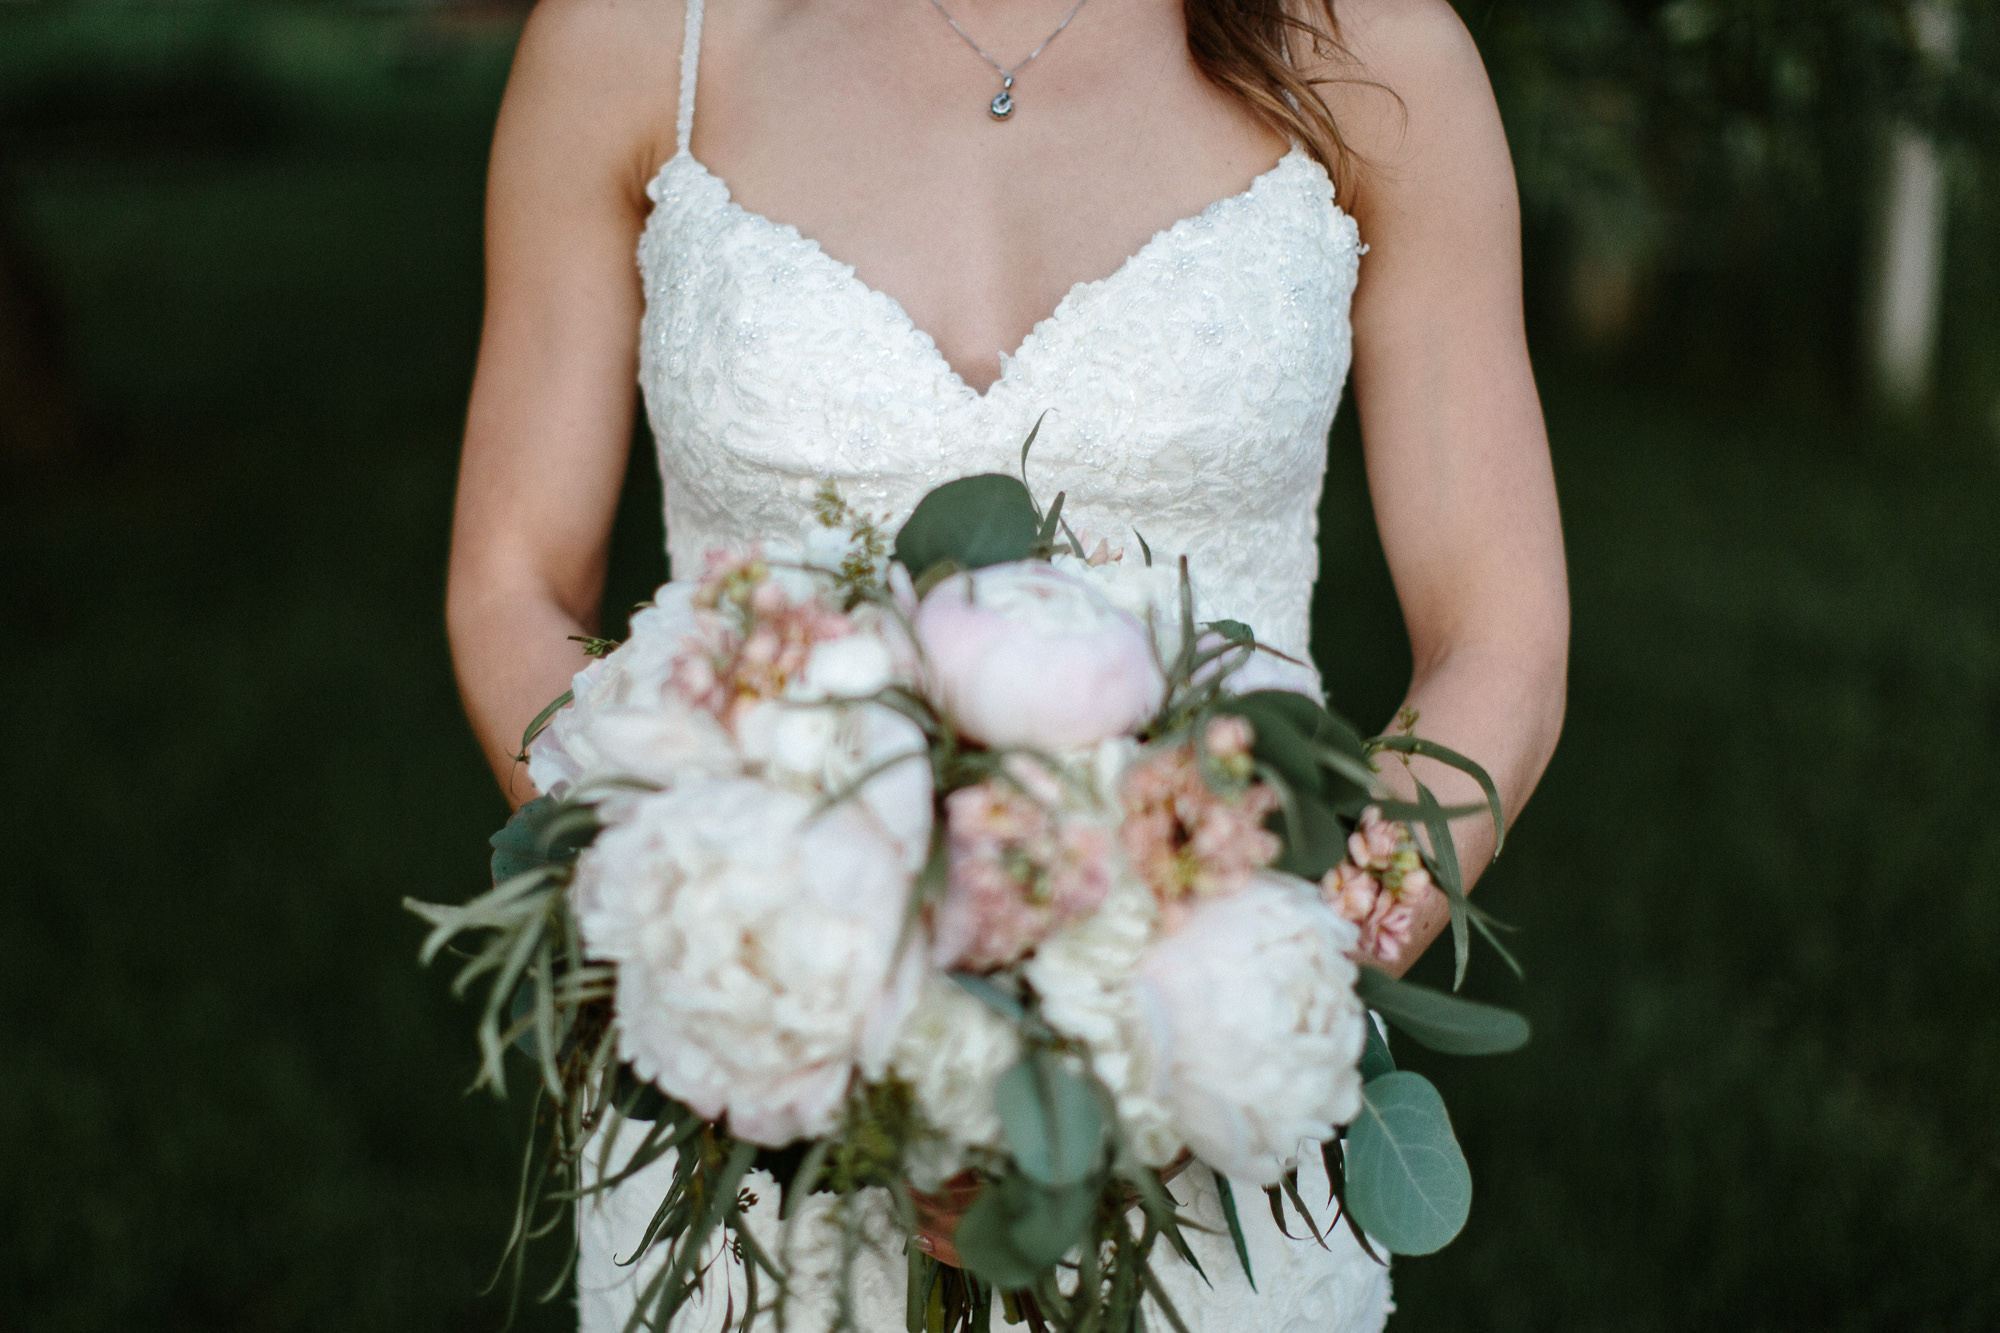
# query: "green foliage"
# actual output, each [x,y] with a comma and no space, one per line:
[969,523]
[1054,1126]
[1409,743]
[1303,743]
[1710,169]
[1016,1230]
[1318,764]
[1631,117]
[880,1118]
[1440,1021]
[542,834]
[1407,1181]
[541,720]
[1375,1058]
[1227,1194]
[1786,656]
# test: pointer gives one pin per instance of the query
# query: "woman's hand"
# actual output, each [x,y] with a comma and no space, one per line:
[1458,460]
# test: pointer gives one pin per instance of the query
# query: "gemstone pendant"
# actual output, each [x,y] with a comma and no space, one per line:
[1002,105]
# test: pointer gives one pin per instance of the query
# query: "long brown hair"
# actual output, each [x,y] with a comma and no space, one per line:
[1247,48]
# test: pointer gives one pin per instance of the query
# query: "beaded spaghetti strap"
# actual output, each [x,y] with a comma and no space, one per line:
[690,67]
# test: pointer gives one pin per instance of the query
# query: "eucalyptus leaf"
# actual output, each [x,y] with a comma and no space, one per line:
[641,1100]
[1407,744]
[541,720]
[1015,1231]
[543,832]
[1164,1302]
[521,1021]
[1228,1196]
[1359,774]
[1407,1181]
[1442,1022]
[1318,723]
[1050,521]
[1280,740]
[1375,1058]
[1028,444]
[1319,842]
[1291,1187]
[1053,1124]
[989,993]
[1299,738]
[988,519]
[1234,631]
[1333,1153]
[1443,858]
[1276,1198]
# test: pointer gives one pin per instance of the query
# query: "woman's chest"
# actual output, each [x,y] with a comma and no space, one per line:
[1214,354]
[867,127]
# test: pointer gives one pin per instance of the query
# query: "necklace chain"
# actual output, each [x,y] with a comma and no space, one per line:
[1002,105]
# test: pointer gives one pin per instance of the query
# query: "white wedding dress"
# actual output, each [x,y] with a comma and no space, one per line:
[1188,398]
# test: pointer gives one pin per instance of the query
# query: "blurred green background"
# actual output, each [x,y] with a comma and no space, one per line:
[1759,892]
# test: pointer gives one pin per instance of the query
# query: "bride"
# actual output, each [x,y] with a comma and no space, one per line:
[845,212]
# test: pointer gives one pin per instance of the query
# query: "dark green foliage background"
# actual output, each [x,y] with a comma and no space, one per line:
[1759,892]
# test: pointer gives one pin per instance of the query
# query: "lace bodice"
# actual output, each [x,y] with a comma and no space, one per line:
[1188,397]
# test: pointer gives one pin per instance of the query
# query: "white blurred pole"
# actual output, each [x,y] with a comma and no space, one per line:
[1913,236]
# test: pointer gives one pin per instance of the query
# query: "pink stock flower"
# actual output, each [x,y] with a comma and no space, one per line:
[1098,552]
[1188,840]
[1351,891]
[1375,839]
[1229,737]
[752,639]
[1386,933]
[1018,870]
[1380,886]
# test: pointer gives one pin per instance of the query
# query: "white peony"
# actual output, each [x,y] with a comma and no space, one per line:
[1084,974]
[852,667]
[756,949]
[952,1051]
[1260,1027]
[1150,594]
[626,721]
[864,752]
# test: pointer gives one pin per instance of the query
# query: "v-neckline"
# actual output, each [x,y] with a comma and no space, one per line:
[1077,292]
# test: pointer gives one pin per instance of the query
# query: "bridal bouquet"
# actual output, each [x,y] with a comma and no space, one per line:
[970,867]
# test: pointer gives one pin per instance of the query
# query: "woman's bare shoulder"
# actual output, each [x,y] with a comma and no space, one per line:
[1409,93]
[595,83]
[1421,42]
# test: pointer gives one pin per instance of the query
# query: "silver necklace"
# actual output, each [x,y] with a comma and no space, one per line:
[1002,105]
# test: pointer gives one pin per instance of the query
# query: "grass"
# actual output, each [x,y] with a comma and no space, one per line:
[1757,892]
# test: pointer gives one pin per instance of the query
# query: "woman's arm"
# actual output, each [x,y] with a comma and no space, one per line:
[551,413]
[1457,457]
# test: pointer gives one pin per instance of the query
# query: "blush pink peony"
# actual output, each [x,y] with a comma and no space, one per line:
[1022,655]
